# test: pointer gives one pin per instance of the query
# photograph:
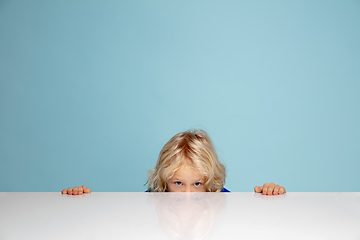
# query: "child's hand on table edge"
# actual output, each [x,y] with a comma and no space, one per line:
[76,190]
[270,189]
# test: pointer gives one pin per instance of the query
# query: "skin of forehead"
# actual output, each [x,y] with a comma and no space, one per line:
[190,172]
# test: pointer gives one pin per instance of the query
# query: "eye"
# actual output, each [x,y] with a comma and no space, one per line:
[178,183]
[197,184]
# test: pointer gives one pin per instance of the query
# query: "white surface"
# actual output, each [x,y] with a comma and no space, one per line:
[179,216]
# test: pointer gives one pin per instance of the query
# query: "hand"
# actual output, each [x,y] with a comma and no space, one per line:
[76,190]
[270,189]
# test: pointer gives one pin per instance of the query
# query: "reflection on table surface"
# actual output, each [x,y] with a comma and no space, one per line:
[179,216]
[188,216]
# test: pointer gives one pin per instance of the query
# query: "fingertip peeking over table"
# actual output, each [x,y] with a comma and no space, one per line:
[76,190]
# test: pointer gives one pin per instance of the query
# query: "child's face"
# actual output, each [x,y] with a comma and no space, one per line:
[186,179]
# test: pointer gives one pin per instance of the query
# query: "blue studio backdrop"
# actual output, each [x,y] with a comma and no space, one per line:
[90,91]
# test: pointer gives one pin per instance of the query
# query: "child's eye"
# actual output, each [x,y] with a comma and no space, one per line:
[197,184]
[178,183]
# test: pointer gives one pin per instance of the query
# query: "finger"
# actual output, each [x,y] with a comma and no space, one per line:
[282,190]
[81,190]
[258,189]
[87,190]
[265,188]
[75,191]
[270,188]
[264,191]
[69,191]
[276,190]
[64,191]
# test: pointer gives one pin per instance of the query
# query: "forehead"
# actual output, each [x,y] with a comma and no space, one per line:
[187,171]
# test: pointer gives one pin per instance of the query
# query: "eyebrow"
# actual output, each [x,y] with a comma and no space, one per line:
[176,179]
[181,180]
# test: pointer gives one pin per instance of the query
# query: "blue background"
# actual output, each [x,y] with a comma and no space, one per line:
[90,91]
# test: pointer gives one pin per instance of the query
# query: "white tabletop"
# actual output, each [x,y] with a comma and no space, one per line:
[179,216]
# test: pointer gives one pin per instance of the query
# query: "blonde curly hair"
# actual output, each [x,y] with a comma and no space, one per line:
[194,147]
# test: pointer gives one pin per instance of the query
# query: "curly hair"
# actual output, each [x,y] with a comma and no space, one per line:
[194,147]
